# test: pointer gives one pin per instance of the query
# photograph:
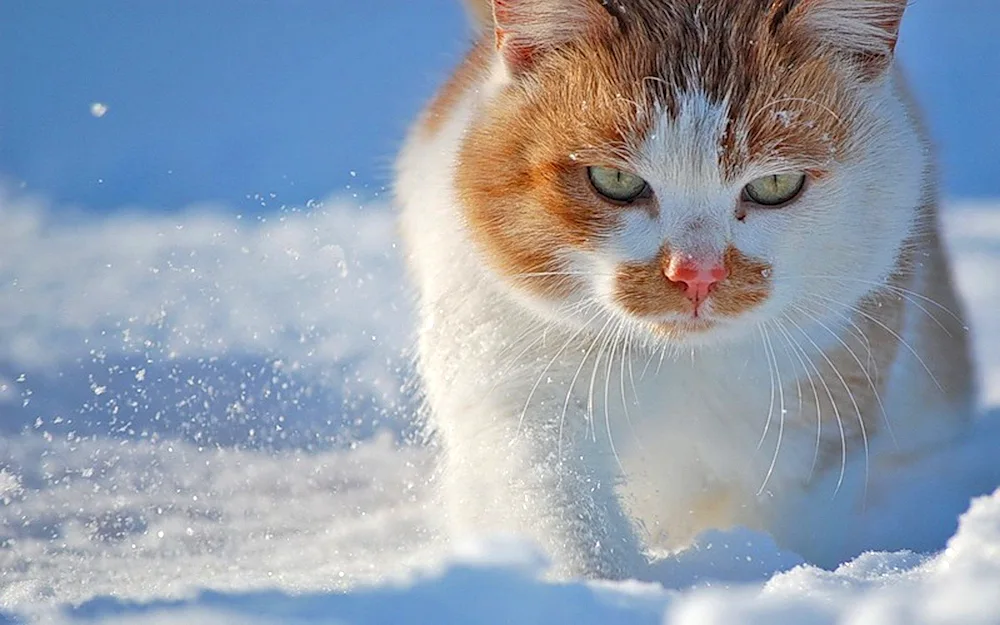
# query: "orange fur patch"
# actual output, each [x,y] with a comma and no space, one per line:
[643,290]
[748,285]
[522,179]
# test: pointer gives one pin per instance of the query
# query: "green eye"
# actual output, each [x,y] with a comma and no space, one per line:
[775,190]
[615,184]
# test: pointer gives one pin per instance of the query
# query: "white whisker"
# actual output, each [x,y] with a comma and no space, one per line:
[796,349]
[833,404]
[772,358]
[911,296]
[538,381]
[630,337]
[593,381]
[892,332]
[572,384]
[864,370]
[627,355]
[847,387]
[607,394]
[770,405]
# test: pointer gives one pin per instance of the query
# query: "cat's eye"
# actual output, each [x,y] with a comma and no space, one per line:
[775,190]
[617,185]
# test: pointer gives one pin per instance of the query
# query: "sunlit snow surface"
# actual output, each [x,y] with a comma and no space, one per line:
[204,419]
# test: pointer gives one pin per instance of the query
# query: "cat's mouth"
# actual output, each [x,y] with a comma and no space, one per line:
[686,328]
[695,317]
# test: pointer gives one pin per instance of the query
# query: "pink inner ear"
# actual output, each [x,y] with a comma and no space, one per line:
[518,55]
[516,52]
[527,28]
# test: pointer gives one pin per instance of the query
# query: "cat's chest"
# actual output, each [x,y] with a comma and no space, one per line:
[731,390]
[720,415]
[736,388]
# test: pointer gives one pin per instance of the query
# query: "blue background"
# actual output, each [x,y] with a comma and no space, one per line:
[260,104]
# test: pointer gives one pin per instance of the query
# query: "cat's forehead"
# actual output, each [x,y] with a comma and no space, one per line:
[709,45]
[743,96]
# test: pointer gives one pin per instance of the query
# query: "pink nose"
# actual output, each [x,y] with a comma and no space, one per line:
[699,278]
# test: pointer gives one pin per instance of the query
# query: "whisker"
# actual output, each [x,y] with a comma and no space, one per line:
[516,360]
[572,384]
[892,332]
[593,381]
[850,394]
[795,348]
[864,370]
[607,395]
[627,355]
[538,381]
[833,404]
[772,358]
[663,353]
[649,361]
[903,292]
[631,377]
[544,325]
[770,405]
[545,274]
[798,383]
[539,331]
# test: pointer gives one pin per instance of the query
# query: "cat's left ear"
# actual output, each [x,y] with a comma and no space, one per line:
[526,30]
[865,30]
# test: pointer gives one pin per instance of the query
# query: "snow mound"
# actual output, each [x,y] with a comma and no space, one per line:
[958,586]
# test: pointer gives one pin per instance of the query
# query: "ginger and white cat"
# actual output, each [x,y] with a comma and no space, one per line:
[679,268]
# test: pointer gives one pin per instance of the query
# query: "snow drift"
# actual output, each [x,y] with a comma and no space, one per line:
[205,418]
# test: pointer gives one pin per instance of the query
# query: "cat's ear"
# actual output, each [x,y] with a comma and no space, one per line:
[865,30]
[528,29]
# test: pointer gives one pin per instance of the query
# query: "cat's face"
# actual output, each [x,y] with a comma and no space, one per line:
[693,169]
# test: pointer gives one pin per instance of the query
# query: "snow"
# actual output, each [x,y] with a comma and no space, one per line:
[205,419]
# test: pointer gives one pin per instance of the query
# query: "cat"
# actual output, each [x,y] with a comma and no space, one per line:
[679,268]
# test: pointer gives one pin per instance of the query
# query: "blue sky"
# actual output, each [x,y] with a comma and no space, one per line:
[221,100]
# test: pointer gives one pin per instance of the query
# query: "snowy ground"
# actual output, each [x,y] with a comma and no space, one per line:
[203,419]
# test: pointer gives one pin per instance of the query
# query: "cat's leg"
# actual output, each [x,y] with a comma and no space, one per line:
[498,478]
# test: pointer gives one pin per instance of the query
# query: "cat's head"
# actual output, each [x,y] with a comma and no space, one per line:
[692,168]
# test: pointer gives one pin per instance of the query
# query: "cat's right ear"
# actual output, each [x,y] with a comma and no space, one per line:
[526,30]
[865,31]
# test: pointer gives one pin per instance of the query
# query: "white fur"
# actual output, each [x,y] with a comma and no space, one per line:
[549,429]
[865,26]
